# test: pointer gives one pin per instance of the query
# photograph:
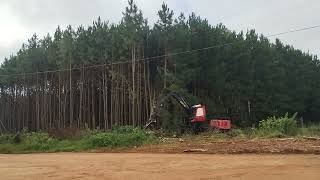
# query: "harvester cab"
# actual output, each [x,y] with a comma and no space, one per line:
[199,113]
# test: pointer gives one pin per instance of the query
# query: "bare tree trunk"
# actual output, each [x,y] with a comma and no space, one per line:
[65,106]
[81,97]
[38,106]
[105,98]
[93,103]
[59,105]
[70,85]
[165,69]
[133,85]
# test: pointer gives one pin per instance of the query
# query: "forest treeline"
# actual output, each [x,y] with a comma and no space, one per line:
[119,70]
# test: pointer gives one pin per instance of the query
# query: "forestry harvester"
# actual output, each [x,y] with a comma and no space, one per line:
[195,115]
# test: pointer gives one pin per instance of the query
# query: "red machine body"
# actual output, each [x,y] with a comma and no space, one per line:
[200,116]
[224,124]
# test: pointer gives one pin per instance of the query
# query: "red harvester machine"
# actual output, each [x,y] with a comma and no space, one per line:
[195,114]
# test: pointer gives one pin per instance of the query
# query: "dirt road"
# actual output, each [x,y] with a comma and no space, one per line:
[158,166]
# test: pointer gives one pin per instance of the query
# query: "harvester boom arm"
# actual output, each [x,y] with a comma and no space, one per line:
[181,100]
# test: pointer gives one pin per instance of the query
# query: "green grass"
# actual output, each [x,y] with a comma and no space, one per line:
[313,130]
[121,137]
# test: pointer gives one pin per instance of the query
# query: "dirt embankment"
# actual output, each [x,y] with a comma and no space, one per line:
[235,146]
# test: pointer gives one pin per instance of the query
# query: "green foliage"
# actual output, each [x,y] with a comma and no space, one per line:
[274,134]
[120,137]
[6,138]
[312,130]
[125,130]
[70,133]
[171,123]
[279,126]
[17,138]
[236,132]
[125,136]
[38,141]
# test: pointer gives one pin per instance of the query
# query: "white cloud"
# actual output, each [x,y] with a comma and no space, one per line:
[10,31]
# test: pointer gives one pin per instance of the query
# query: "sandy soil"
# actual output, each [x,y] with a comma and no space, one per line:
[158,166]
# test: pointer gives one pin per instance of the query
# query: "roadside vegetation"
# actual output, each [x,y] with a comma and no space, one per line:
[129,137]
[120,137]
[271,127]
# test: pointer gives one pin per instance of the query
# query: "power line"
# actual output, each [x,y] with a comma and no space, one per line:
[120,62]
[154,57]
[295,30]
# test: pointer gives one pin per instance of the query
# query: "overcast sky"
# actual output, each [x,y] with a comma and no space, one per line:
[21,18]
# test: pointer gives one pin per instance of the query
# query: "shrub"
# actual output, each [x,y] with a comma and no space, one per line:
[67,133]
[17,138]
[312,130]
[120,137]
[125,136]
[282,125]
[236,132]
[38,141]
[6,138]
[250,132]
[275,134]
[124,129]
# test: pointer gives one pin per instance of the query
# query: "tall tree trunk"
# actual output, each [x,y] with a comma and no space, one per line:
[70,85]
[165,68]
[38,105]
[93,102]
[81,97]
[59,101]
[133,56]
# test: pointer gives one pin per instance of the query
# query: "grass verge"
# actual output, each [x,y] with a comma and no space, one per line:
[121,137]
